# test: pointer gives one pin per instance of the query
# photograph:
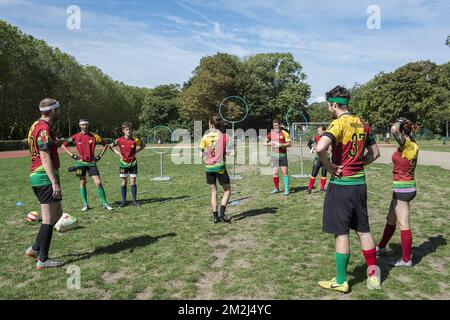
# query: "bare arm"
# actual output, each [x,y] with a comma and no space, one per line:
[50,171]
[140,148]
[105,147]
[322,151]
[395,129]
[66,150]
[373,153]
[111,146]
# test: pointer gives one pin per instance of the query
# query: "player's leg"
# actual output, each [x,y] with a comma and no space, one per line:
[123,187]
[212,185]
[276,179]
[402,211]
[314,173]
[389,229]
[133,178]
[323,180]
[284,170]
[93,172]
[83,188]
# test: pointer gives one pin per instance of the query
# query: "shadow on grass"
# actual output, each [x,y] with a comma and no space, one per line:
[418,253]
[254,213]
[124,245]
[153,200]
[298,189]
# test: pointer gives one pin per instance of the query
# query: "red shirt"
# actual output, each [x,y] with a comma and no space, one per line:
[40,138]
[128,148]
[86,143]
[405,161]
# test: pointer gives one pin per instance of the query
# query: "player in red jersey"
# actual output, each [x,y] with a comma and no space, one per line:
[345,205]
[128,148]
[279,140]
[404,190]
[87,161]
[44,179]
[317,163]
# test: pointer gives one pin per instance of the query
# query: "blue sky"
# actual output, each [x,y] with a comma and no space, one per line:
[148,43]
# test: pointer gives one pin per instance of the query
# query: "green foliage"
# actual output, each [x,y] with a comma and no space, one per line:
[318,112]
[419,91]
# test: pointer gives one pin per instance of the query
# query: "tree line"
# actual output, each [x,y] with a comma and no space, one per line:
[271,83]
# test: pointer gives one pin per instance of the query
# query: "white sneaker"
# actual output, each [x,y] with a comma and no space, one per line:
[85,208]
[32,254]
[108,207]
[381,251]
[48,264]
[401,263]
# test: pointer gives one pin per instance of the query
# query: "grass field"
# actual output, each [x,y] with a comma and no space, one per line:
[434,145]
[274,249]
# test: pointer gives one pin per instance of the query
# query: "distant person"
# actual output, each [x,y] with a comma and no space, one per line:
[317,164]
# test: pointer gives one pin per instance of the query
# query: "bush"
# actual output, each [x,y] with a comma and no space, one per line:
[8,145]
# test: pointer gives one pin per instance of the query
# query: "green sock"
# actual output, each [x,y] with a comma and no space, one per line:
[83,192]
[286,183]
[101,193]
[341,267]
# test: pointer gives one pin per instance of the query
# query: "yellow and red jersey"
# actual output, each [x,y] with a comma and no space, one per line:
[40,138]
[405,161]
[350,136]
[215,146]
[127,150]
[86,143]
[281,137]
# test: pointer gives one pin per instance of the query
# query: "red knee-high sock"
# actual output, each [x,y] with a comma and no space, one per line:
[406,236]
[387,235]
[311,182]
[323,182]
[370,256]
[276,182]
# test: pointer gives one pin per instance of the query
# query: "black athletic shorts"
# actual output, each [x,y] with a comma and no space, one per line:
[45,194]
[221,176]
[407,197]
[125,172]
[92,171]
[345,208]
[279,162]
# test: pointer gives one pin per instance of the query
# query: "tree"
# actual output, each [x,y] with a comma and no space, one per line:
[318,112]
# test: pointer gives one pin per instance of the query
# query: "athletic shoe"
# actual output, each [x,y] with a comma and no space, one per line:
[216,218]
[108,207]
[32,254]
[225,219]
[275,191]
[85,208]
[334,286]
[137,204]
[286,193]
[381,251]
[401,263]
[308,191]
[122,204]
[48,264]
[322,190]
[373,282]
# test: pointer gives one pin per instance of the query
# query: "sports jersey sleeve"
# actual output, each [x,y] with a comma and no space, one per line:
[138,142]
[370,136]
[115,142]
[287,137]
[334,131]
[203,144]
[44,141]
[409,149]
[69,140]
[99,140]
[269,137]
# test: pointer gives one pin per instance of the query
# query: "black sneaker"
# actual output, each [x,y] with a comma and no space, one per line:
[225,219]
[216,218]
[123,204]
[137,204]
[308,191]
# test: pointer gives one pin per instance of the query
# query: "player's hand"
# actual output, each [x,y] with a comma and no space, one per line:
[75,157]
[56,191]
[97,158]
[275,144]
[335,170]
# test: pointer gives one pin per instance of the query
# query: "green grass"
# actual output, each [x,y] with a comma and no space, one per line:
[434,145]
[274,249]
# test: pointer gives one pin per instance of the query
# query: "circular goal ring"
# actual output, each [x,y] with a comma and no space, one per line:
[149,137]
[238,98]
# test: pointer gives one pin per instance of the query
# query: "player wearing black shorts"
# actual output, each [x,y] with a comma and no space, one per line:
[128,148]
[403,190]
[215,145]
[317,164]
[345,205]
[44,179]
[86,142]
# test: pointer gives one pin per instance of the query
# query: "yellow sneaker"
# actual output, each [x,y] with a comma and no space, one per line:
[334,286]
[373,282]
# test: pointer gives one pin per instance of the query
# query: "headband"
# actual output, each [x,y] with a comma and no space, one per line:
[84,122]
[339,100]
[51,107]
